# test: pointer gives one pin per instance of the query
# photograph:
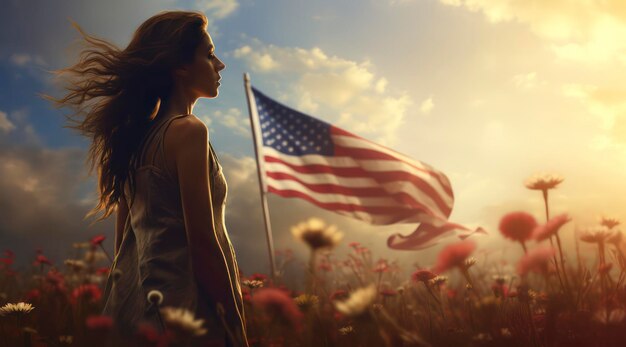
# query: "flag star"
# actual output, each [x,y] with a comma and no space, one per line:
[310,143]
[290,149]
[304,148]
[297,142]
[284,143]
[317,148]
[279,136]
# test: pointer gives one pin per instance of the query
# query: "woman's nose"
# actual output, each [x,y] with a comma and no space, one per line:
[220,65]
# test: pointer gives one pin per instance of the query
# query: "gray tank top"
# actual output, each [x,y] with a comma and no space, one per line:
[154,252]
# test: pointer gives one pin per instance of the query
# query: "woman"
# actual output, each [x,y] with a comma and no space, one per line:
[159,171]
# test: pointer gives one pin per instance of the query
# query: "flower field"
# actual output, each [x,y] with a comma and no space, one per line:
[550,296]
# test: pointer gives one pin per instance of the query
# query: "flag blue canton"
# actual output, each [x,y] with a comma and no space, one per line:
[289,131]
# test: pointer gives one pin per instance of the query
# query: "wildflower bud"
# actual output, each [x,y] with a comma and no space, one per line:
[155,297]
[117,273]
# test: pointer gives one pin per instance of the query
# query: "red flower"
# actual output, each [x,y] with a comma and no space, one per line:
[6,261]
[97,240]
[454,255]
[362,250]
[258,277]
[354,245]
[55,281]
[102,271]
[278,304]
[89,292]
[41,259]
[381,266]
[423,276]
[551,227]
[536,260]
[148,335]
[33,295]
[518,226]
[9,253]
[100,323]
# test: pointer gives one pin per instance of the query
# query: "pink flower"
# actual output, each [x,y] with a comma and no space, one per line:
[55,281]
[97,240]
[536,260]
[278,303]
[551,227]
[381,266]
[423,276]
[41,259]
[454,255]
[89,292]
[517,226]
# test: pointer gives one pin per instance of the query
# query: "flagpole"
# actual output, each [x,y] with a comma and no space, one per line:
[252,111]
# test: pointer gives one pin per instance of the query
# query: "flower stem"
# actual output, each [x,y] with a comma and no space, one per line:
[107,253]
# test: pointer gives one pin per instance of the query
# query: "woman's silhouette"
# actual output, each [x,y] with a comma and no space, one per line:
[158,169]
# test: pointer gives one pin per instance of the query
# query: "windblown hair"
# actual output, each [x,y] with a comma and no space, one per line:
[130,85]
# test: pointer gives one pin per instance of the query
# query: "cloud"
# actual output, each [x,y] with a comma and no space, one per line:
[427,105]
[608,105]
[40,194]
[25,59]
[218,9]
[338,90]
[578,30]
[5,124]
[525,80]
[231,118]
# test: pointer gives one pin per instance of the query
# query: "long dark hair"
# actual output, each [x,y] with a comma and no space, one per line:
[131,85]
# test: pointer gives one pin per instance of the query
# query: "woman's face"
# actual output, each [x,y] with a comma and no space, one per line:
[203,74]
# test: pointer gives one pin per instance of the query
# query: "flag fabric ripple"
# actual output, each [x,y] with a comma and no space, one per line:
[307,158]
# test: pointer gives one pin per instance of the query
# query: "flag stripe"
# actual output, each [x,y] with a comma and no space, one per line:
[345,145]
[402,191]
[401,197]
[419,189]
[336,206]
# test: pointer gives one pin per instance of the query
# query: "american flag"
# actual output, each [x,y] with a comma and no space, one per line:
[304,157]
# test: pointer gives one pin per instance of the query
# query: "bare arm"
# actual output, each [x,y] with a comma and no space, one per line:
[122,214]
[208,261]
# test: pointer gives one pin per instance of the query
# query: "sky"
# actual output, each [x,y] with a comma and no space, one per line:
[490,92]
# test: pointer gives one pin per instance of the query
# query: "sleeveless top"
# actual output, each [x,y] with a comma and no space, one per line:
[154,252]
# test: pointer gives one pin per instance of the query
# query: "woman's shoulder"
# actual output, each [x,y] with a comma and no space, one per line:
[184,133]
[186,126]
